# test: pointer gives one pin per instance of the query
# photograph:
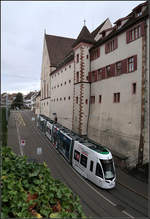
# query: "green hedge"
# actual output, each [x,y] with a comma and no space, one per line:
[4,126]
[29,191]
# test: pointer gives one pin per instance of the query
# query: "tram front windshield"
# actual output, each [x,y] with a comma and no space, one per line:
[108,169]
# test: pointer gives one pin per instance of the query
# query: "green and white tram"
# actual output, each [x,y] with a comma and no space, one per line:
[95,163]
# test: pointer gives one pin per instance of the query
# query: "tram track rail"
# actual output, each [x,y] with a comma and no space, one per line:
[119,182]
[36,130]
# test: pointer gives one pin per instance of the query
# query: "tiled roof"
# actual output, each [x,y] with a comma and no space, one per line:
[98,28]
[84,36]
[29,95]
[58,47]
[67,59]
[132,20]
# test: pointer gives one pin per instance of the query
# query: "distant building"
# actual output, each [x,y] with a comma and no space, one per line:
[7,98]
[98,84]
[37,103]
[29,100]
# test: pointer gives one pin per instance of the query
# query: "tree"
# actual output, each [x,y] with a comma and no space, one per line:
[18,102]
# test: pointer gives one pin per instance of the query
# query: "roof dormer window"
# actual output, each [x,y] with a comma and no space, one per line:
[138,12]
[118,24]
[103,34]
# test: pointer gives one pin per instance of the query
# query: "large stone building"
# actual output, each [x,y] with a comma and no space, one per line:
[97,84]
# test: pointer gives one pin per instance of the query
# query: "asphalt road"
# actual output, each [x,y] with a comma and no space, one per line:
[118,202]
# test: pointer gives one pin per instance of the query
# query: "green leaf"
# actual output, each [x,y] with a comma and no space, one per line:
[55,215]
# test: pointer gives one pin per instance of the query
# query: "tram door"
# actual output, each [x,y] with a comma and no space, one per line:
[98,174]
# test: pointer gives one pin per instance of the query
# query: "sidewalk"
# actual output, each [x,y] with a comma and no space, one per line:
[132,183]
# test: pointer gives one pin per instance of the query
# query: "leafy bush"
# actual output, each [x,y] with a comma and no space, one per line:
[4,126]
[28,190]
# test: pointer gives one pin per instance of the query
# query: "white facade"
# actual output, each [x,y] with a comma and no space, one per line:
[66,89]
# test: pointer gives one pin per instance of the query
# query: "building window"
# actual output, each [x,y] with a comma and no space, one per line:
[92,99]
[65,69]
[134,33]
[134,88]
[87,56]
[77,76]
[95,53]
[116,97]
[138,12]
[118,68]
[61,84]
[69,81]
[130,64]
[86,101]
[108,72]
[111,45]
[69,66]
[57,99]
[77,100]
[60,98]
[69,98]
[103,34]
[118,24]
[65,82]
[100,98]
[77,58]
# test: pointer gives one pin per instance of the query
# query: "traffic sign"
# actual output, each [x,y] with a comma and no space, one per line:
[22,143]
[39,151]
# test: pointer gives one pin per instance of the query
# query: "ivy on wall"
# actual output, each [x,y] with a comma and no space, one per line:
[29,191]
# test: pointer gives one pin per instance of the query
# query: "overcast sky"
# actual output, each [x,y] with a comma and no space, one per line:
[22,32]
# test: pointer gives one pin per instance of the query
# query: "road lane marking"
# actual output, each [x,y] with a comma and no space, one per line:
[19,119]
[129,215]
[19,139]
[112,203]
[84,180]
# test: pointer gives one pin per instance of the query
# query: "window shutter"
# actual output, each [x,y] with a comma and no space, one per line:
[96,72]
[135,62]
[142,29]
[92,76]
[89,76]
[103,72]
[124,66]
[127,37]
[112,69]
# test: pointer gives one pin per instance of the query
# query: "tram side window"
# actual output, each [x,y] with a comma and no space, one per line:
[99,170]
[83,160]
[77,155]
[91,166]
